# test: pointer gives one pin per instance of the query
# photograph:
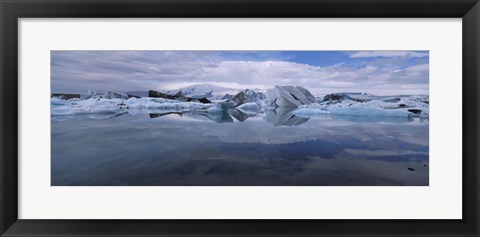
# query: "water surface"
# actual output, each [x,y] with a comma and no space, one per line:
[273,148]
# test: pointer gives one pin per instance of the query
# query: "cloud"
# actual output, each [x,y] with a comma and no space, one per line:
[76,71]
[389,54]
[418,68]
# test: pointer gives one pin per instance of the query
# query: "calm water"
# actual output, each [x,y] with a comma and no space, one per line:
[272,148]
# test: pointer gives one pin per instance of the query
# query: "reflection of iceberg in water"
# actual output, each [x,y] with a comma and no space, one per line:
[282,116]
[106,116]
[222,117]
[293,106]
[218,117]
[97,116]
[156,115]
[239,115]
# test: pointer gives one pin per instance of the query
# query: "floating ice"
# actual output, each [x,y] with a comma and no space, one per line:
[88,106]
[221,106]
[368,106]
[163,104]
[296,100]
[55,101]
[107,95]
[113,106]
[289,96]
[307,112]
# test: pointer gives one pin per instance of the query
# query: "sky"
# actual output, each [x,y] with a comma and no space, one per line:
[321,72]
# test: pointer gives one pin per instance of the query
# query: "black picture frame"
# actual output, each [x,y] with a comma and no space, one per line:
[11,11]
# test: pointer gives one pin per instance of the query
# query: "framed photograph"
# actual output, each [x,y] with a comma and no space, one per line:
[245,118]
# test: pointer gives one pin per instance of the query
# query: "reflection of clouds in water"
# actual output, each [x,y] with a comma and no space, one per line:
[255,130]
[373,172]
[384,140]
[383,152]
[290,128]
[182,150]
[324,129]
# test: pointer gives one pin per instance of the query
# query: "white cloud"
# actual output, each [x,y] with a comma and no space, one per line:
[418,68]
[388,54]
[77,71]
[336,78]
[369,69]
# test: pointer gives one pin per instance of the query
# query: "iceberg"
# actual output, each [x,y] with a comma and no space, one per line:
[308,112]
[114,95]
[107,95]
[240,98]
[336,97]
[88,106]
[221,106]
[203,90]
[226,97]
[163,104]
[282,105]
[339,97]
[177,97]
[112,106]
[289,96]
[346,105]
[254,95]
[65,96]
[56,101]
[247,96]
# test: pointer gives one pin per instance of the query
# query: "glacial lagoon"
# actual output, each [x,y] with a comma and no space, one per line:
[272,148]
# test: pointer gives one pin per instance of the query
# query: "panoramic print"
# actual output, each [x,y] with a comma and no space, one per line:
[239,118]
